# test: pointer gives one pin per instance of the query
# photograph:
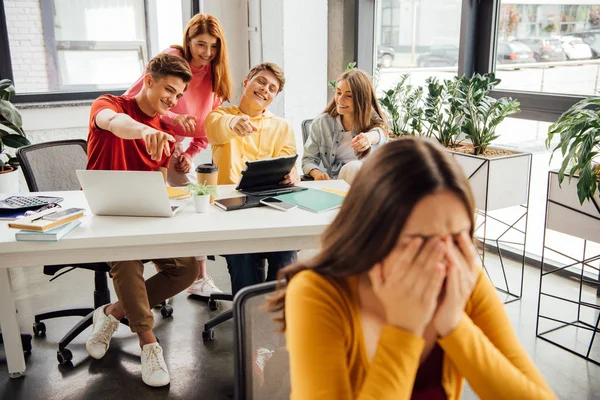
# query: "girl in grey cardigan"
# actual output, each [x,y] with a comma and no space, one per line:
[350,128]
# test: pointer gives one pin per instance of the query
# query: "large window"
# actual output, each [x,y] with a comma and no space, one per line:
[419,37]
[547,53]
[549,46]
[85,46]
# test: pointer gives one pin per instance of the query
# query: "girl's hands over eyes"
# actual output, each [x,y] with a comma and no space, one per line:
[408,282]
[463,272]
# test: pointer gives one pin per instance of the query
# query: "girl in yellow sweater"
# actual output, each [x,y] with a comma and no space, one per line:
[396,305]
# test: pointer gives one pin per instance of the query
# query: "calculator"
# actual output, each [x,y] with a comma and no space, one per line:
[14,203]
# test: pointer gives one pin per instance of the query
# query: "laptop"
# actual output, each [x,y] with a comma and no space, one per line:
[262,177]
[127,193]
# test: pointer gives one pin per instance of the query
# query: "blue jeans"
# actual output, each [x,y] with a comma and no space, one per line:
[243,268]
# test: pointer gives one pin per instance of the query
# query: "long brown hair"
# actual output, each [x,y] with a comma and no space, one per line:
[383,194]
[367,113]
[205,23]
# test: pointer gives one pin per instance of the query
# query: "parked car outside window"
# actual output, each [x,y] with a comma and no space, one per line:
[514,52]
[592,39]
[439,56]
[575,48]
[545,49]
[385,56]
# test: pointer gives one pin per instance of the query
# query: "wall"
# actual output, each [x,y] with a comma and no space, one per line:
[294,35]
[26,38]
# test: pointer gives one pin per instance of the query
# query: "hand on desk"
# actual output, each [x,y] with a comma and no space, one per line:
[291,179]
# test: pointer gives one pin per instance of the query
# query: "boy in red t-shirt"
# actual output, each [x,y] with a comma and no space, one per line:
[126,133]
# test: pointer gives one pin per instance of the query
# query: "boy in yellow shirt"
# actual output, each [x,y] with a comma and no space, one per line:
[250,132]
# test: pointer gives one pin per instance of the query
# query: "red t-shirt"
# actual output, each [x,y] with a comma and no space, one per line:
[107,151]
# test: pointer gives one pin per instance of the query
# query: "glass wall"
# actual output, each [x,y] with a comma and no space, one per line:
[549,46]
[419,37]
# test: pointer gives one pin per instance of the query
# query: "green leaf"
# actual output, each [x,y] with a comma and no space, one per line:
[15,141]
[6,89]
[7,129]
[10,113]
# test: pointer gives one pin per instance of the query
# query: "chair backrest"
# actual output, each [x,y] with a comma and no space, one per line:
[255,336]
[51,166]
[305,129]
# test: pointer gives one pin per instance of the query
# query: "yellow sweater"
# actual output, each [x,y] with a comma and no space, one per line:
[328,358]
[274,138]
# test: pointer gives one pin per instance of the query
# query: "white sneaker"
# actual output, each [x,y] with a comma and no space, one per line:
[204,287]
[154,369]
[102,330]
[261,356]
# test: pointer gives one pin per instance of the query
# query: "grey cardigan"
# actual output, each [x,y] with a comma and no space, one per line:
[325,134]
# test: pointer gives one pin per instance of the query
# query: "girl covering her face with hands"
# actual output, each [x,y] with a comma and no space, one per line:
[396,305]
[350,127]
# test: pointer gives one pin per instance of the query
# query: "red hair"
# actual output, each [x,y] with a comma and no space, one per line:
[205,23]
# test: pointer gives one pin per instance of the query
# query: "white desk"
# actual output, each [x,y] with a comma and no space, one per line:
[133,238]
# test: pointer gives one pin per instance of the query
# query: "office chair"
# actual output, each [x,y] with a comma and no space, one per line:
[51,166]
[254,329]
[208,333]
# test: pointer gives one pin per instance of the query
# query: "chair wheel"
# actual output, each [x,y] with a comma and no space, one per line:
[208,335]
[64,356]
[39,329]
[212,305]
[166,311]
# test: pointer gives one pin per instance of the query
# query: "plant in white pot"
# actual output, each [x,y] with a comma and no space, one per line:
[201,193]
[574,206]
[11,135]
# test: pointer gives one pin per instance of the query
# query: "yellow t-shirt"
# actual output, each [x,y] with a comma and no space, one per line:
[274,138]
[328,358]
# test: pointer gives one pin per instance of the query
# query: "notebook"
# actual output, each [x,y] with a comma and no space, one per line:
[38,222]
[177,194]
[53,235]
[313,200]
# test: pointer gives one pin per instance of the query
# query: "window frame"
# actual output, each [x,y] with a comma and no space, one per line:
[477,49]
[6,70]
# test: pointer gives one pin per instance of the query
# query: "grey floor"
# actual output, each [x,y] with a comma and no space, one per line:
[200,370]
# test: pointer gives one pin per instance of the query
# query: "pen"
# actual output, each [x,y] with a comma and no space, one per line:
[45,215]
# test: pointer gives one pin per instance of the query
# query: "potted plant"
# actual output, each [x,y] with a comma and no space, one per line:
[201,193]
[11,135]
[442,111]
[403,106]
[499,177]
[573,207]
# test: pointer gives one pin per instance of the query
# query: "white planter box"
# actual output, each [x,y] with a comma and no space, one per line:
[565,214]
[9,182]
[498,182]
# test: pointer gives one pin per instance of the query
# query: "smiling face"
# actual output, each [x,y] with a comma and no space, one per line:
[260,90]
[203,49]
[343,98]
[163,92]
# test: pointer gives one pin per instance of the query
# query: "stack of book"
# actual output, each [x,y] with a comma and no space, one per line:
[47,226]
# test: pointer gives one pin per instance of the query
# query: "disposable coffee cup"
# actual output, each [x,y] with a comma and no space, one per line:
[207,173]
